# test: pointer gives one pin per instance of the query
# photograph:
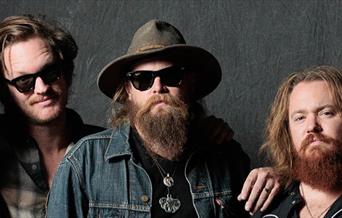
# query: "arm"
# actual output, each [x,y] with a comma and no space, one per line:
[261,185]
[66,197]
[259,189]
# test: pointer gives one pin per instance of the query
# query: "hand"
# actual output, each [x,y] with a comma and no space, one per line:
[259,189]
[215,130]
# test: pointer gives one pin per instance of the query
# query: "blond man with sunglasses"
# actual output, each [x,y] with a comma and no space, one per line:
[37,63]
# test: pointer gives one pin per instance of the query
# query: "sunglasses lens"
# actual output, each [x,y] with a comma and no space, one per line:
[142,80]
[51,75]
[24,84]
[172,77]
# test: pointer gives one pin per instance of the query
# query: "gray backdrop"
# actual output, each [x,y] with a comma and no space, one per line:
[257,42]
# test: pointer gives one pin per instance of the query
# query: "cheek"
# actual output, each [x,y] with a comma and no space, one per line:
[335,131]
[178,92]
[16,96]
[137,98]
[296,136]
[60,85]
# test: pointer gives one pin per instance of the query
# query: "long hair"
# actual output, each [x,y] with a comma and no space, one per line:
[16,29]
[119,113]
[278,145]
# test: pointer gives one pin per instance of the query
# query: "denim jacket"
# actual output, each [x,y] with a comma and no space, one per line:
[99,178]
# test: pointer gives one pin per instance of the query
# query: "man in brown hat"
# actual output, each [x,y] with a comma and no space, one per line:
[154,161]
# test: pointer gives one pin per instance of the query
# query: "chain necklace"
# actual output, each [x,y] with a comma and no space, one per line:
[168,203]
[307,207]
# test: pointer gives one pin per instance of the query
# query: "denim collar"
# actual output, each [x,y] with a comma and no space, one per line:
[118,145]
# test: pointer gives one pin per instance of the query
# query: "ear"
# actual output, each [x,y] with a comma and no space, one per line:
[128,88]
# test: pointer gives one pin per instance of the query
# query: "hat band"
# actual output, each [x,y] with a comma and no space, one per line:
[149,47]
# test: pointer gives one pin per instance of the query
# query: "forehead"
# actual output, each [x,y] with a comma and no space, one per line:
[310,94]
[26,56]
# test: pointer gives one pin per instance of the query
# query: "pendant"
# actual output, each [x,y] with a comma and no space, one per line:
[169,204]
[168,181]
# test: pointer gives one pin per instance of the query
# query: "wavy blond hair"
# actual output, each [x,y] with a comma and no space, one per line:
[278,145]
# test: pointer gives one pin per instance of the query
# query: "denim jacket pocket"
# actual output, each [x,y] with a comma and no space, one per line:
[102,212]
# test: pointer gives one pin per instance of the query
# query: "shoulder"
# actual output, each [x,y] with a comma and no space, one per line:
[227,159]
[284,203]
[87,156]
[91,143]
[78,128]
[230,152]
[91,129]
[101,145]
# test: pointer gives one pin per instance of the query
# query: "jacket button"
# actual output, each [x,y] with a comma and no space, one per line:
[144,198]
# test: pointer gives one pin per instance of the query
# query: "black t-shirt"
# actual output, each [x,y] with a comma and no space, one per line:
[180,190]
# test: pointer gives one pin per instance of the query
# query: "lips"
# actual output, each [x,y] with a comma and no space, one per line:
[313,139]
[160,102]
[44,99]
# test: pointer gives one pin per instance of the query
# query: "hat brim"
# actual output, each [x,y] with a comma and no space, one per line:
[207,70]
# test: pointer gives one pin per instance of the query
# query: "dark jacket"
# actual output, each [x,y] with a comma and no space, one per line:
[289,203]
[23,184]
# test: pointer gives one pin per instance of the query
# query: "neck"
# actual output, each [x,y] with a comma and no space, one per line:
[317,201]
[52,140]
[52,136]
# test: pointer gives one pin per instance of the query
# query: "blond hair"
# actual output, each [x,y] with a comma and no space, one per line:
[278,145]
[15,29]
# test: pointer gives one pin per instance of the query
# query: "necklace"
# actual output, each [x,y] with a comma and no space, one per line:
[168,203]
[307,207]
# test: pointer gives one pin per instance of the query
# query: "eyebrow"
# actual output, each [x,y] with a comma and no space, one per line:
[301,111]
[44,68]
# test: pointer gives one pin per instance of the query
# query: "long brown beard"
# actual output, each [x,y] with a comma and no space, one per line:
[322,169]
[164,132]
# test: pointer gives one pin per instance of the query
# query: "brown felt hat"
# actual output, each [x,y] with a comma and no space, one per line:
[160,39]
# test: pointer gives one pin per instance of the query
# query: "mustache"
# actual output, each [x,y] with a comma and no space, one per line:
[164,98]
[39,98]
[316,137]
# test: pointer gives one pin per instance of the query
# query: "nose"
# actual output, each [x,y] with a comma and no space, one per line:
[158,86]
[40,87]
[313,124]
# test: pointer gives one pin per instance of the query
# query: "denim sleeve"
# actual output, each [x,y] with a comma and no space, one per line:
[66,198]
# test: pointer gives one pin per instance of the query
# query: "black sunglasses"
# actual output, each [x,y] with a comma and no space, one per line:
[144,79]
[50,73]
